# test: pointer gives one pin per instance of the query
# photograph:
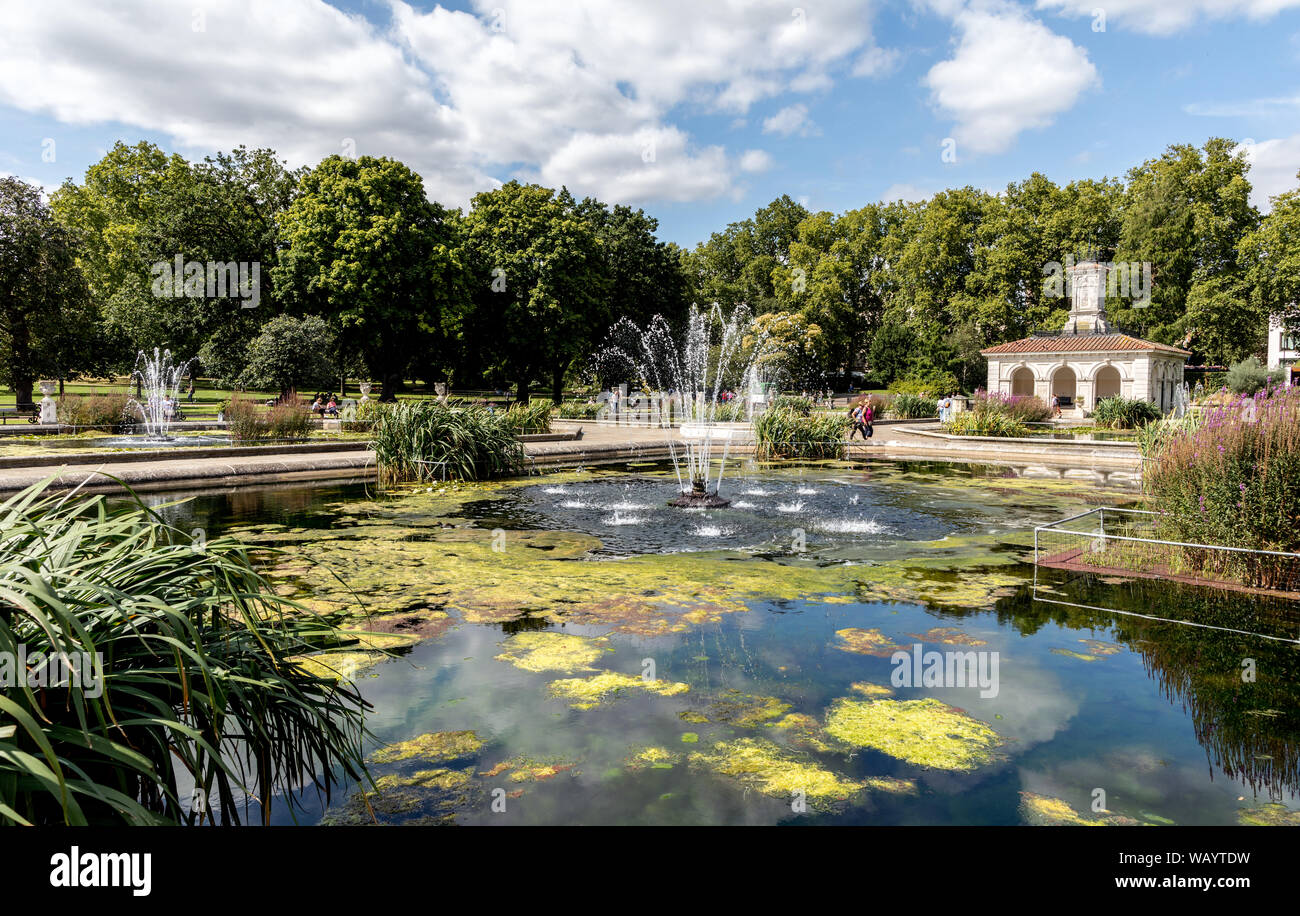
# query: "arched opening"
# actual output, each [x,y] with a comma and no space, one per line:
[1108,383]
[1063,386]
[1022,382]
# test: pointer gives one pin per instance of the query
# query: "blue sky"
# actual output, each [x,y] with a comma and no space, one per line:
[698,112]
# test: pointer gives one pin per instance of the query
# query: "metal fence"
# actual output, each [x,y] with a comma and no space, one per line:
[1127,542]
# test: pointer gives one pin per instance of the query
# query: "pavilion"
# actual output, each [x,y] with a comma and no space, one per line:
[1088,359]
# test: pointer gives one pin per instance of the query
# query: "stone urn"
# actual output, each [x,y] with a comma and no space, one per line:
[365,391]
[49,407]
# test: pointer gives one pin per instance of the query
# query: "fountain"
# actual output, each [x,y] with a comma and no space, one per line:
[159,382]
[716,353]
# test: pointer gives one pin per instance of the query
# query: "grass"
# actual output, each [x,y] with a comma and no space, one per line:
[473,441]
[783,432]
[195,678]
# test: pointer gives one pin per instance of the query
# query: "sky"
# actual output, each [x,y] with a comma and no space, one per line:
[698,111]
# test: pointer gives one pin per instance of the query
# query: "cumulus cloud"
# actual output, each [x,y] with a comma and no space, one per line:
[790,120]
[1164,17]
[1273,167]
[569,92]
[755,160]
[1009,73]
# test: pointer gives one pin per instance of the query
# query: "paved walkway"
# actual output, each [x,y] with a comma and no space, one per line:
[599,443]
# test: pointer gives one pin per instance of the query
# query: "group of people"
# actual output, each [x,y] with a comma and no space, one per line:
[326,405]
[861,416]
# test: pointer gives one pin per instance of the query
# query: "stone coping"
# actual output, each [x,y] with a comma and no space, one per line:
[135,456]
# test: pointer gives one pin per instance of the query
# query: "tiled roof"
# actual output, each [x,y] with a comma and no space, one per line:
[1081,343]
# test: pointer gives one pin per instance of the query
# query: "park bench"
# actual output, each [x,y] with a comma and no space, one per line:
[28,410]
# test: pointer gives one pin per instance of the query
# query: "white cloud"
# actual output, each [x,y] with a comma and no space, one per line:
[1274,164]
[789,120]
[907,193]
[1164,17]
[755,160]
[1010,73]
[566,91]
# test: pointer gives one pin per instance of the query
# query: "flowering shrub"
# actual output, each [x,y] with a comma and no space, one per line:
[1232,480]
[1018,407]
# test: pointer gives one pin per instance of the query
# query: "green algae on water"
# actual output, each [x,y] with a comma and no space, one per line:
[766,767]
[1269,814]
[746,711]
[432,746]
[923,732]
[1044,811]
[546,651]
[590,692]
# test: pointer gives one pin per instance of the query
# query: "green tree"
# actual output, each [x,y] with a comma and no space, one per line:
[291,353]
[47,322]
[1270,256]
[367,248]
[540,284]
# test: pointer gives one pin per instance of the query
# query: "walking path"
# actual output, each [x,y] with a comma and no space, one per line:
[599,443]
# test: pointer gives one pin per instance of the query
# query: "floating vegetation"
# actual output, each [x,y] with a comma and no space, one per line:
[424,779]
[342,666]
[1070,653]
[768,768]
[1100,647]
[948,636]
[590,692]
[432,746]
[1269,814]
[690,738]
[1045,811]
[874,691]
[653,758]
[923,732]
[804,731]
[746,711]
[545,651]
[693,716]
[866,642]
[531,769]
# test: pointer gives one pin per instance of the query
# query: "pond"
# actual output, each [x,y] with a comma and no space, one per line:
[568,649]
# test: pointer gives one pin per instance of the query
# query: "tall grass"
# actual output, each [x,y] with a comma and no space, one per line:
[1232,479]
[783,432]
[196,679]
[474,442]
[105,411]
[530,416]
[1124,413]
[908,406]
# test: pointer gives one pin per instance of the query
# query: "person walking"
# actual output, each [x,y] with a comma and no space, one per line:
[1056,407]
[867,416]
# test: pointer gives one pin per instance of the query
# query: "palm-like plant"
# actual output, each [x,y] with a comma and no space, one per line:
[198,685]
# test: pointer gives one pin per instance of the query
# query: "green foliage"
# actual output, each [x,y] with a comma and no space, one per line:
[785,433]
[530,417]
[474,442]
[366,247]
[104,411]
[799,405]
[1232,479]
[909,406]
[196,674]
[989,423]
[47,320]
[1250,376]
[290,353]
[1124,413]
[932,384]
[891,351]
[577,410]
[1020,408]
[250,422]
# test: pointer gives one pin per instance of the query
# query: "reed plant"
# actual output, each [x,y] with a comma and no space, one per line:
[471,441]
[530,416]
[192,680]
[1124,413]
[783,432]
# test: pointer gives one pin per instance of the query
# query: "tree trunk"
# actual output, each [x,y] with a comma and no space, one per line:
[557,384]
[23,391]
[521,393]
[391,383]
